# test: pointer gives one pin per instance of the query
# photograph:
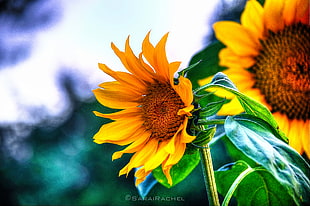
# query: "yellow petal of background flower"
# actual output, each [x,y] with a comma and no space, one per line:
[305,137]
[231,108]
[273,15]
[240,77]
[295,10]
[294,135]
[252,18]
[238,38]
[282,121]
[231,60]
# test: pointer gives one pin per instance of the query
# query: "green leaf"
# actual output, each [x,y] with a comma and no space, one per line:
[234,153]
[250,105]
[208,63]
[211,108]
[187,69]
[178,171]
[250,186]
[257,141]
[223,80]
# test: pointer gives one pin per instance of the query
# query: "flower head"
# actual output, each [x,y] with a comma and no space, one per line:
[154,110]
[267,56]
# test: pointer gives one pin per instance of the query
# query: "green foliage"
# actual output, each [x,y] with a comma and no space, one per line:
[204,137]
[250,105]
[256,140]
[260,187]
[208,63]
[270,169]
[179,171]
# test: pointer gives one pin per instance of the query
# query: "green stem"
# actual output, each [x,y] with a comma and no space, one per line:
[233,187]
[211,121]
[208,173]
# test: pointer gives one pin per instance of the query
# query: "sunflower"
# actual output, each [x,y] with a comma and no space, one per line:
[267,56]
[154,110]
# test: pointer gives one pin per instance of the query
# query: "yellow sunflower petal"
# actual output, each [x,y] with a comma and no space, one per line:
[186,111]
[170,147]
[117,99]
[123,114]
[221,92]
[137,145]
[231,108]
[184,136]
[177,155]
[252,18]
[231,60]
[173,67]
[161,63]
[273,15]
[116,86]
[158,158]
[238,38]
[124,78]
[241,78]
[305,19]
[172,160]
[282,121]
[118,131]
[294,135]
[146,66]
[295,10]
[135,65]
[148,50]
[184,90]
[305,137]
[124,170]
[135,93]
[140,157]
[141,175]
[166,171]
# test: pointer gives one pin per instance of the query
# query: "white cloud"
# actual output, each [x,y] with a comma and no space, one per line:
[82,39]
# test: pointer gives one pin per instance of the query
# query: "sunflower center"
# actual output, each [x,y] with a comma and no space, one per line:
[160,106]
[282,71]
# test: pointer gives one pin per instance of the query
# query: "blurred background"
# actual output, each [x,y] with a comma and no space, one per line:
[49,51]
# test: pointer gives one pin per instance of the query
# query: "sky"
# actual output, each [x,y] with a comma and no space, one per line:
[80,39]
